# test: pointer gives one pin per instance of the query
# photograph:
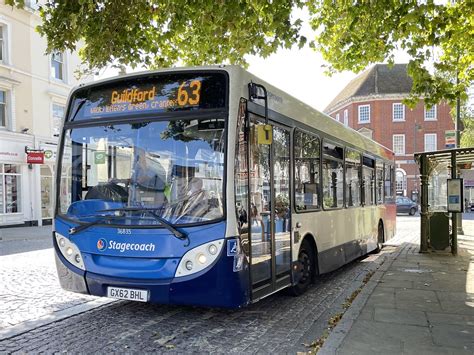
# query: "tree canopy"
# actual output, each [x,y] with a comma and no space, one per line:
[438,36]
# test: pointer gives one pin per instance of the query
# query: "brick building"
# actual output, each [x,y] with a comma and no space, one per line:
[372,104]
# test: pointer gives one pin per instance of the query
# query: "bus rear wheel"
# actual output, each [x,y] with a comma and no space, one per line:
[306,269]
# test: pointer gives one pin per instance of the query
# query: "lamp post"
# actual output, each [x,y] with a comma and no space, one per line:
[416,184]
[458,145]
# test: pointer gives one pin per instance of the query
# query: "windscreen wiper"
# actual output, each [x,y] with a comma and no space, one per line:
[151,211]
[80,228]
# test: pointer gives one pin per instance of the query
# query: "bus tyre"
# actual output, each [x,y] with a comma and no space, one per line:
[305,270]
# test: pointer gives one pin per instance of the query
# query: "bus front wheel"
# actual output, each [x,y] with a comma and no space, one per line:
[305,270]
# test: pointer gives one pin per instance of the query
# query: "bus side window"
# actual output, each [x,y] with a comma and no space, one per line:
[307,162]
[379,181]
[368,177]
[353,178]
[388,183]
[333,176]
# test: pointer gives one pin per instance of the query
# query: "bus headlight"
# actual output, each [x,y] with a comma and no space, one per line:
[199,258]
[70,251]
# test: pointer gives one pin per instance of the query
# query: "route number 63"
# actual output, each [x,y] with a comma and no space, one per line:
[189,95]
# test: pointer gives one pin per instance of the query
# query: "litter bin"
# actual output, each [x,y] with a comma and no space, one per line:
[439,230]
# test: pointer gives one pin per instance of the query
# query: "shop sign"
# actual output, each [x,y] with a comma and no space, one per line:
[49,152]
[450,139]
[35,157]
[11,152]
[99,158]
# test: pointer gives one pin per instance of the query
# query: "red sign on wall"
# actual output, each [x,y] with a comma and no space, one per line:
[35,157]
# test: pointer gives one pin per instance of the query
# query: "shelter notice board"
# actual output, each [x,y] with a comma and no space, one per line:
[455,195]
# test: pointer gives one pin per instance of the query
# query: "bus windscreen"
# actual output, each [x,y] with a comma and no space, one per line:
[155,93]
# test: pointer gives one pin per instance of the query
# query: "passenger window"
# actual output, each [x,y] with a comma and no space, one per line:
[388,183]
[379,177]
[333,176]
[307,162]
[353,181]
[368,183]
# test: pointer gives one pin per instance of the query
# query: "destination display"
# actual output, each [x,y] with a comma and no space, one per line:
[149,94]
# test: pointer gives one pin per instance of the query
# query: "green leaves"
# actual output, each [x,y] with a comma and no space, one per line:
[438,35]
[164,33]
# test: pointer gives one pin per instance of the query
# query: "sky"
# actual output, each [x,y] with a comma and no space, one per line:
[300,73]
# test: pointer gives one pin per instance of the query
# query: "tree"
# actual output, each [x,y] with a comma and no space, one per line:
[349,34]
[467,118]
[158,33]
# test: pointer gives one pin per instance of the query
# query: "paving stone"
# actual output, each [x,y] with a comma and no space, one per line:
[464,308]
[379,335]
[399,316]
[417,300]
[436,349]
[457,319]
[356,347]
[396,283]
[455,336]
[382,297]
[436,285]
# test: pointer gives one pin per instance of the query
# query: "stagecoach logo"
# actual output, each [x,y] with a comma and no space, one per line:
[102,244]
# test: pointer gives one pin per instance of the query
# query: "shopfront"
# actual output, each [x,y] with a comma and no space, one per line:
[15,180]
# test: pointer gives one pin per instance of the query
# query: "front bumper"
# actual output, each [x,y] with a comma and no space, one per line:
[217,286]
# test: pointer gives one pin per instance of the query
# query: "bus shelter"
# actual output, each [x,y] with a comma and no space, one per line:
[440,203]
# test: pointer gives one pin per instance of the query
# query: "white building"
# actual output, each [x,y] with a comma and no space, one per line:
[33,93]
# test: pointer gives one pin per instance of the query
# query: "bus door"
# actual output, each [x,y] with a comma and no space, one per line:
[270,209]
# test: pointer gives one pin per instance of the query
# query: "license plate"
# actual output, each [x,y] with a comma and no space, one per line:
[127,294]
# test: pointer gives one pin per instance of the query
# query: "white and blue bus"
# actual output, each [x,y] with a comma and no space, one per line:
[207,186]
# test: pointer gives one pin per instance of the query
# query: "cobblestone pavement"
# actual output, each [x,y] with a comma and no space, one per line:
[279,323]
[29,288]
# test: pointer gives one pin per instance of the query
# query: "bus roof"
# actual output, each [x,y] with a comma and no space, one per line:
[278,101]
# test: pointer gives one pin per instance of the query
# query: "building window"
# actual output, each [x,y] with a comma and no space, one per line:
[2,44]
[430,115]
[346,118]
[364,114]
[337,117]
[57,65]
[399,144]
[398,112]
[3,108]
[10,197]
[58,114]
[430,142]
